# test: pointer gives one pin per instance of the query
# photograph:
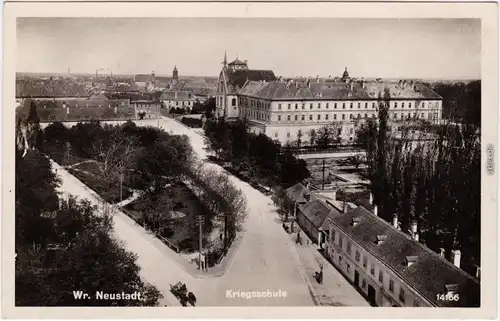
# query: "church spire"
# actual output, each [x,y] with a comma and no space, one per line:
[225,59]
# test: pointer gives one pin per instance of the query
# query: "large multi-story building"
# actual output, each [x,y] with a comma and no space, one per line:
[287,110]
[232,78]
[389,267]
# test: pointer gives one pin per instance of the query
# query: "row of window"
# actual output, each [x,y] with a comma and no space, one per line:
[351,116]
[300,133]
[352,104]
[371,265]
[182,103]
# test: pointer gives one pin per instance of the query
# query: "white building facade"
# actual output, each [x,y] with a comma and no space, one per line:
[288,111]
[232,78]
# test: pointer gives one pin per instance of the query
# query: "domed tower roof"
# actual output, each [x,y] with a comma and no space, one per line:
[237,62]
[345,74]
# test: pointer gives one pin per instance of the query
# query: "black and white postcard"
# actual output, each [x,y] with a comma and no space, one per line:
[187,156]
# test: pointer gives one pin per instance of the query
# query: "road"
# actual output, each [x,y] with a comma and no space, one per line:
[265,260]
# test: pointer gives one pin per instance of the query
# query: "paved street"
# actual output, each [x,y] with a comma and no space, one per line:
[265,260]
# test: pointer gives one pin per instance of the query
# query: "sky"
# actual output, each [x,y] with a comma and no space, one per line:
[386,48]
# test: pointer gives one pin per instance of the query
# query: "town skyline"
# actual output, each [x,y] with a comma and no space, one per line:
[448,48]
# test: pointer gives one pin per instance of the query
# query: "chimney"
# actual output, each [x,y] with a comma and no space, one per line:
[371,199]
[455,257]
[395,221]
[317,78]
[478,271]
[410,260]
[307,197]
[414,230]
[355,221]
[451,289]
[352,85]
[246,62]
[381,239]
[441,252]
[375,210]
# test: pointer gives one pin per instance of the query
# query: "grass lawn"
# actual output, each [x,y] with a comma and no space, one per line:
[59,154]
[183,230]
[109,191]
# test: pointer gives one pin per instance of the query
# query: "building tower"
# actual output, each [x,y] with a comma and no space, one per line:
[153,77]
[345,76]
[175,73]
[224,63]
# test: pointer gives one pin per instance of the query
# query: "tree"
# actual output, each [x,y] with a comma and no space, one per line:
[365,132]
[284,205]
[114,153]
[163,162]
[56,134]
[327,135]
[312,137]
[209,106]
[35,195]
[64,245]
[292,170]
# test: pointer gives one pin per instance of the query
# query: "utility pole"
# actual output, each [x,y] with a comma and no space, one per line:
[121,186]
[199,219]
[68,153]
[323,188]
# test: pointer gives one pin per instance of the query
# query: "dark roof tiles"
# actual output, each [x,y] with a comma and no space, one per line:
[429,274]
[313,90]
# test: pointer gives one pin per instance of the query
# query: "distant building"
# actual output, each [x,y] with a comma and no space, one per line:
[177,99]
[287,110]
[150,108]
[391,268]
[232,78]
[50,89]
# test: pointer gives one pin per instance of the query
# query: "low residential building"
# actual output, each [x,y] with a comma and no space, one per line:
[391,268]
[178,99]
[50,89]
[288,110]
[232,78]
[150,108]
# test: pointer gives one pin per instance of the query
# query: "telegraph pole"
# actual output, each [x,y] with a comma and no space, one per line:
[323,188]
[121,186]
[199,219]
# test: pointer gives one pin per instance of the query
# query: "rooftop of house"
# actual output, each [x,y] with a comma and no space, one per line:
[50,88]
[315,90]
[176,95]
[236,79]
[237,62]
[428,275]
[317,212]
[297,191]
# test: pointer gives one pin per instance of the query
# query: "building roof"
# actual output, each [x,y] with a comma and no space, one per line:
[176,95]
[297,191]
[142,78]
[314,90]
[317,212]
[50,88]
[428,275]
[236,79]
[98,97]
[237,62]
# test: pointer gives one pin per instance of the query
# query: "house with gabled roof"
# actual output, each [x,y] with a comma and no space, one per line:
[390,267]
[232,78]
